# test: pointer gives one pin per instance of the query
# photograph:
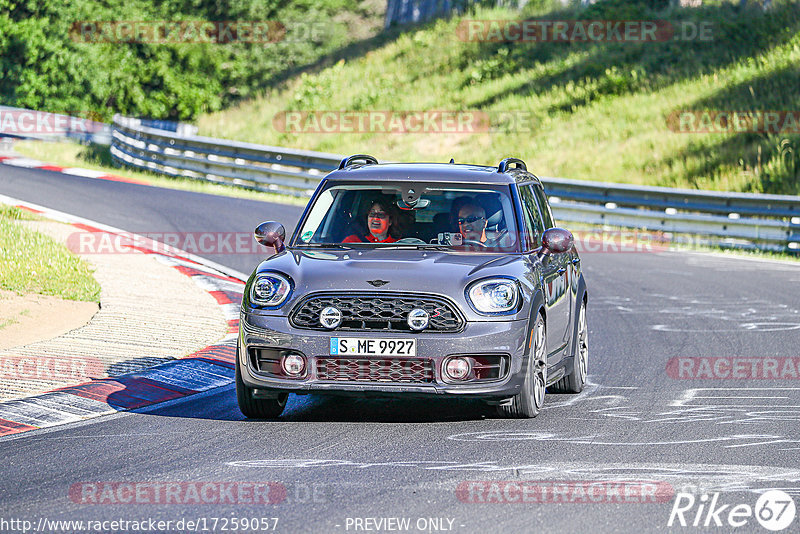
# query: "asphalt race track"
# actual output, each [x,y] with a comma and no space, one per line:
[664,329]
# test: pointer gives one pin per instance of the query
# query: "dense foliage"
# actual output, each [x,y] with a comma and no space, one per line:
[44,66]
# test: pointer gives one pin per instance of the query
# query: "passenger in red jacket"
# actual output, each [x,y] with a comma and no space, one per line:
[380,220]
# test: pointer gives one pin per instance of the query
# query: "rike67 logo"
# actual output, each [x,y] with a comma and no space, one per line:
[774,510]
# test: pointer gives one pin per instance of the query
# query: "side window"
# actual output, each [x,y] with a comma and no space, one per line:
[526,232]
[531,215]
[544,207]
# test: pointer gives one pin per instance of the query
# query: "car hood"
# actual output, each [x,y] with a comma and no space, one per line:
[428,271]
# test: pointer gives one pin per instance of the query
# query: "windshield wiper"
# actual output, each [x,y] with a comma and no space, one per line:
[418,246]
[324,245]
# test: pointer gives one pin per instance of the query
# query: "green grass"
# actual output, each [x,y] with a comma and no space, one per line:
[594,111]
[71,154]
[31,262]
[742,253]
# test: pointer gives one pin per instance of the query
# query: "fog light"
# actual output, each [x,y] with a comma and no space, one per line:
[457,368]
[293,364]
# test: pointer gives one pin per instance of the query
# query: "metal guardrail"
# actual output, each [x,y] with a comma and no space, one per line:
[21,123]
[770,221]
[265,168]
[764,221]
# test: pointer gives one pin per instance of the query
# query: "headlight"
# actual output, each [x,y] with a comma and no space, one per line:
[494,296]
[270,289]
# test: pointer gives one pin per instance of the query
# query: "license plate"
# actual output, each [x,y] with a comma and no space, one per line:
[360,346]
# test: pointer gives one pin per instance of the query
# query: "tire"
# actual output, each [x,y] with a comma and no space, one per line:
[576,380]
[528,402]
[251,407]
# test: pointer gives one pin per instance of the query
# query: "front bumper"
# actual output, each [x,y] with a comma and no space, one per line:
[490,337]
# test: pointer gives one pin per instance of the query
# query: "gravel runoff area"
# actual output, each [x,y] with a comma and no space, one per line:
[149,313]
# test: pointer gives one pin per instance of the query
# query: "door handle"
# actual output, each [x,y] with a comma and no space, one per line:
[562,270]
[576,261]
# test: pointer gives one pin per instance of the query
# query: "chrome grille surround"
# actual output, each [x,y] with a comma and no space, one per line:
[377,311]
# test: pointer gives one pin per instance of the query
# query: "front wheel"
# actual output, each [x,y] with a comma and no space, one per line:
[528,402]
[576,380]
[254,408]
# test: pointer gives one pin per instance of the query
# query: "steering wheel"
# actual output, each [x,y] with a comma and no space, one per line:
[411,241]
[472,242]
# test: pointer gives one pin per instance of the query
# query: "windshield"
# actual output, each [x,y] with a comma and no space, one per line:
[456,217]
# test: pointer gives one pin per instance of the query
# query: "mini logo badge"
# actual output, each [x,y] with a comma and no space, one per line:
[330,317]
[377,283]
[417,319]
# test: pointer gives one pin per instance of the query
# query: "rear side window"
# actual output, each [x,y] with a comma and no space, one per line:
[532,218]
[544,207]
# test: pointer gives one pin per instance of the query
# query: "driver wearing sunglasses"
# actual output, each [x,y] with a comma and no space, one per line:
[472,222]
[379,222]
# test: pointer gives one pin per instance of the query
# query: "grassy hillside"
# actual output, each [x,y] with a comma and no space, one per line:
[595,111]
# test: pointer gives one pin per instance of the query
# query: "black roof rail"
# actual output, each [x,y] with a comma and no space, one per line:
[504,165]
[368,160]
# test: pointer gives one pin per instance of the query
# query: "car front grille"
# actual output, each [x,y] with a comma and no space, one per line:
[410,370]
[385,311]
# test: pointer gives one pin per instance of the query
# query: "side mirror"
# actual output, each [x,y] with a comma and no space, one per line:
[271,234]
[556,241]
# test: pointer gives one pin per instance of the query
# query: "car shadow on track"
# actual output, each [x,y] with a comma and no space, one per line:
[221,406]
[333,408]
